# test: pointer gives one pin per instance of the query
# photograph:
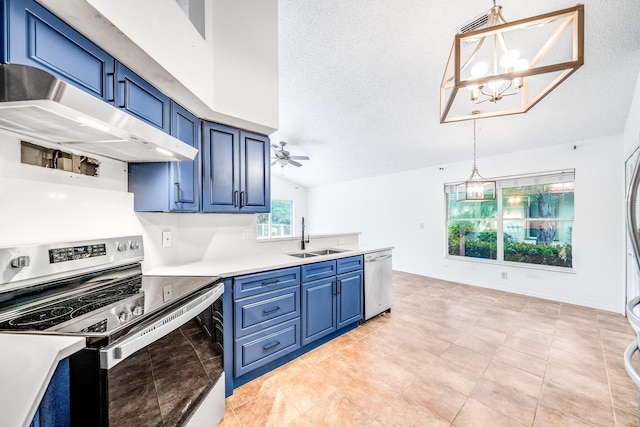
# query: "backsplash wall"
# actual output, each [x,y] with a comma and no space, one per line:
[43,205]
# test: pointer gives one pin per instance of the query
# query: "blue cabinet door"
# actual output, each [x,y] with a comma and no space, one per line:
[255,191]
[185,182]
[33,36]
[350,301]
[236,170]
[170,186]
[318,309]
[55,408]
[221,168]
[138,98]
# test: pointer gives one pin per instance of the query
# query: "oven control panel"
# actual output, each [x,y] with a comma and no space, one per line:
[76,252]
[31,264]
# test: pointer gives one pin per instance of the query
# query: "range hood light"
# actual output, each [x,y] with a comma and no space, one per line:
[163,151]
[92,124]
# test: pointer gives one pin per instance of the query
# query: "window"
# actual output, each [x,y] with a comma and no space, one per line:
[530,222]
[278,223]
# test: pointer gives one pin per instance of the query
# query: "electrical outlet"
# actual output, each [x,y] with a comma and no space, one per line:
[422,226]
[504,275]
[247,233]
[167,240]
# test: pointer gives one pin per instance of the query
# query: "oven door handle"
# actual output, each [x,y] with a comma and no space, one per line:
[115,353]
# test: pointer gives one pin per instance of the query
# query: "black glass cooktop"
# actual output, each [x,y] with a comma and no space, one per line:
[64,310]
[98,305]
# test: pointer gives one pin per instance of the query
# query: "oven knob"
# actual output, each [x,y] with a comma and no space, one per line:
[134,246]
[21,261]
[125,316]
[137,310]
[122,247]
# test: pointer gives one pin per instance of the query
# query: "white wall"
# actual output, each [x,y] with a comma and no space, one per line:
[632,128]
[390,210]
[39,205]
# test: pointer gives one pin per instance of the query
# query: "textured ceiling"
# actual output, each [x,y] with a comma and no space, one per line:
[360,80]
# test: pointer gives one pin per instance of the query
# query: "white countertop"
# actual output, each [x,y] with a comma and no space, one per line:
[253,263]
[27,363]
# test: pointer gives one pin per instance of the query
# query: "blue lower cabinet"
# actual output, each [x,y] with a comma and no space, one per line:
[262,311]
[318,270]
[318,309]
[55,407]
[265,346]
[350,298]
[281,314]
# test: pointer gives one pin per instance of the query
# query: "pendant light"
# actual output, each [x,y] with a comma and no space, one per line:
[504,68]
[476,188]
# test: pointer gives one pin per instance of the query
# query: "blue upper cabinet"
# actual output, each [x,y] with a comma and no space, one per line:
[170,186]
[185,175]
[236,170]
[220,168]
[35,37]
[138,98]
[256,173]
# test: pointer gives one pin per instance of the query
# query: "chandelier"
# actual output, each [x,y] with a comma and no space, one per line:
[476,188]
[487,73]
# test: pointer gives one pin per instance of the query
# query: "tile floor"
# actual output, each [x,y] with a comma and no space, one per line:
[454,355]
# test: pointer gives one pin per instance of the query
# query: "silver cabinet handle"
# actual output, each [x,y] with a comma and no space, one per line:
[628,364]
[631,316]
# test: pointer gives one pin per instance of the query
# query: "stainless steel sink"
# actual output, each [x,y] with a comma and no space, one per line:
[303,255]
[328,251]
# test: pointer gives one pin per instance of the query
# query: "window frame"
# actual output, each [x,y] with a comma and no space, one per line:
[562,176]
[270,222]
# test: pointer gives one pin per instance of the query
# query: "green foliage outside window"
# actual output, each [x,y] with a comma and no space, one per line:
[277,223]
[536,226]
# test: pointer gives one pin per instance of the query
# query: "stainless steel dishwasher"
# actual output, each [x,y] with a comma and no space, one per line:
[378,278]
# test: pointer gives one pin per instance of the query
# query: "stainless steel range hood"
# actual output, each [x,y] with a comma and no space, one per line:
[38,104]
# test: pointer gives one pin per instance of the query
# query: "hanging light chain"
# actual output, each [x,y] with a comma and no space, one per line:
[474,144]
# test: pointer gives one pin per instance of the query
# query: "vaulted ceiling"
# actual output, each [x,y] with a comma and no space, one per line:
[359,85]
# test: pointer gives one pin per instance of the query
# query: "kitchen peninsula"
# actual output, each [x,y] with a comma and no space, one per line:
[279,305]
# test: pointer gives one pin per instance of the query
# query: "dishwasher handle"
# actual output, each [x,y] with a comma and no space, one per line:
[378,258]
[115,353]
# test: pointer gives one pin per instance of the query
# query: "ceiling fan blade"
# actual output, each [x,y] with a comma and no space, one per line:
[294,163]
[276,147]
[274,162]
[300,157]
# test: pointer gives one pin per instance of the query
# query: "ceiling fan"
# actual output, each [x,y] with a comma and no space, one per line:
[283,157]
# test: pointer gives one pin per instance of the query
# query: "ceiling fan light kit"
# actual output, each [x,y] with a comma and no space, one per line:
[283,157]
[486,72]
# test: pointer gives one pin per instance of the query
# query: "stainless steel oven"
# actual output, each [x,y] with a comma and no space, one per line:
[153,351]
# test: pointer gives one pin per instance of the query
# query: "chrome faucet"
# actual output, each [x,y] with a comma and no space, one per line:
[302,241]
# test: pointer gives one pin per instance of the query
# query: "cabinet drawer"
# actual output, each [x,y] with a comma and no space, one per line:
[318,270]
[352,263]
[253,284]
[258,349]
[261,311]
